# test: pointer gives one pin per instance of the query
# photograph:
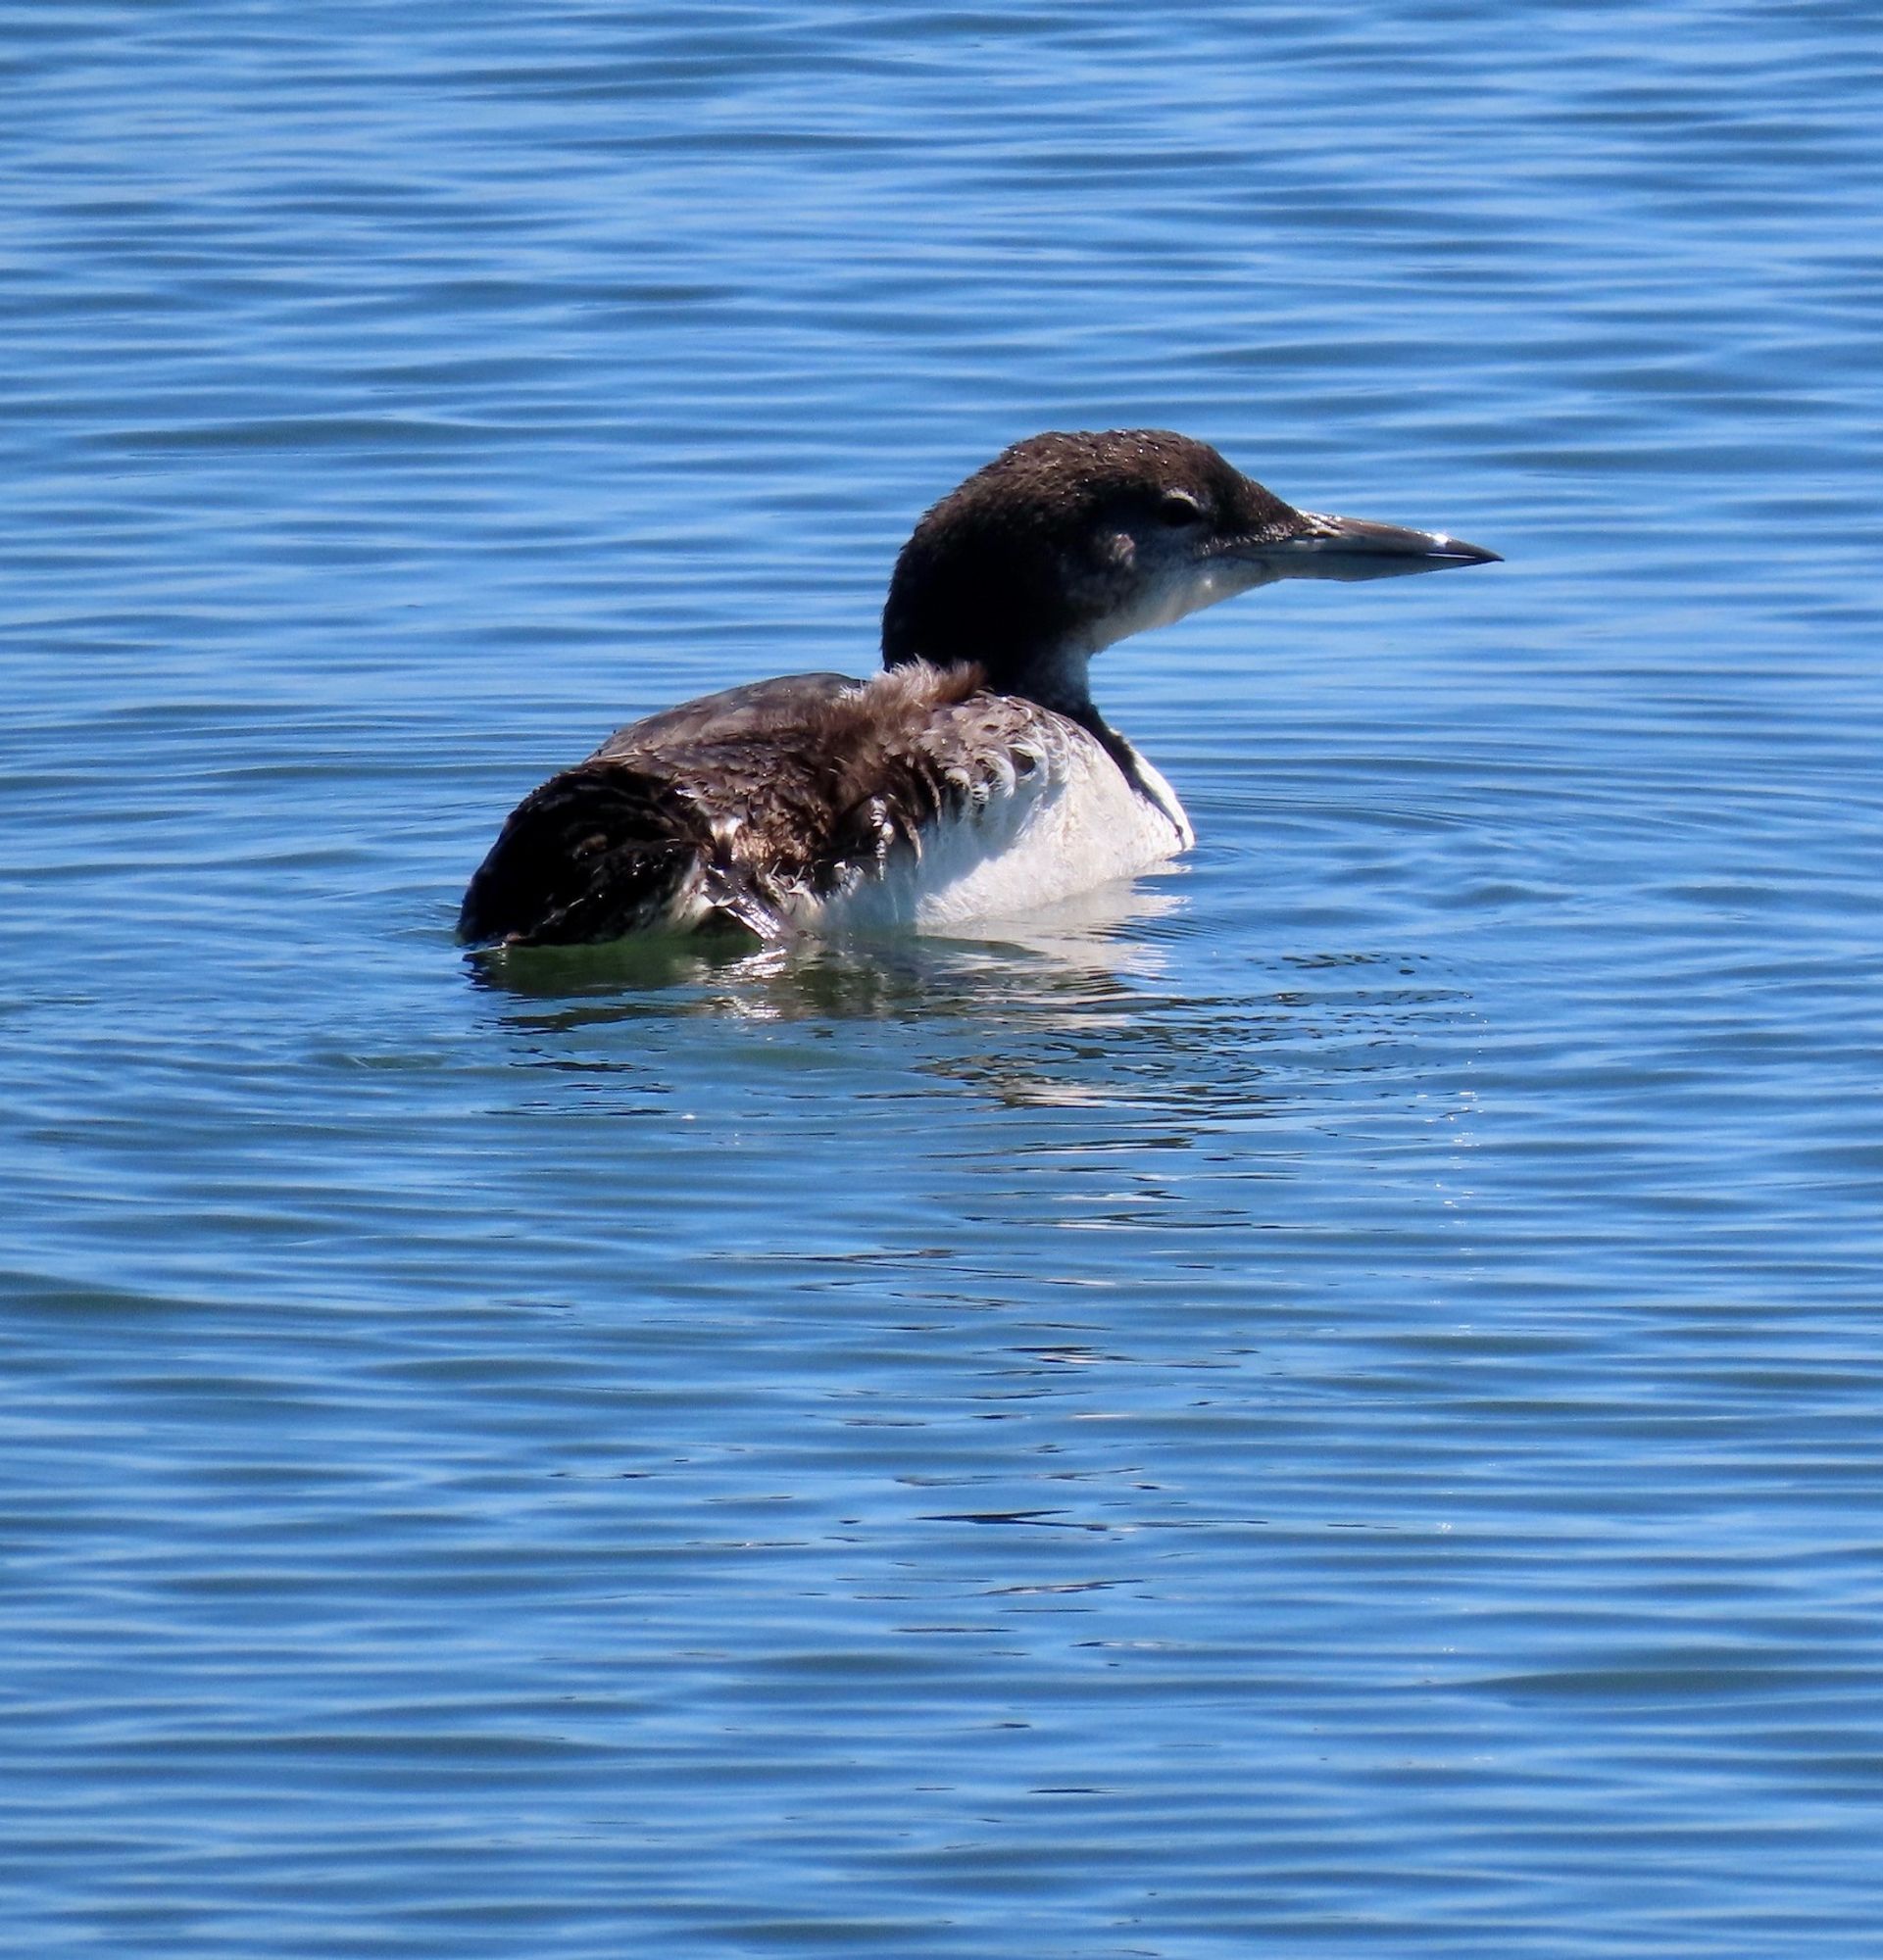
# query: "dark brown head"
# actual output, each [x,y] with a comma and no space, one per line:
[1067,542]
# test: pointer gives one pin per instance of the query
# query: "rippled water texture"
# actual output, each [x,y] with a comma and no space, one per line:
[1327,1405]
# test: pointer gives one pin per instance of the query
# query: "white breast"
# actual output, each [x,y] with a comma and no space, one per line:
[1024,840]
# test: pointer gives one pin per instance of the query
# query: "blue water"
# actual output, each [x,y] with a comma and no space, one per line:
[1331,1403]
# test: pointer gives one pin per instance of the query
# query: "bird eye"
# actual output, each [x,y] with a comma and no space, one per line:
[1178,507]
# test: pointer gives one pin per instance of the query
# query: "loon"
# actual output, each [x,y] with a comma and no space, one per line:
[972,777]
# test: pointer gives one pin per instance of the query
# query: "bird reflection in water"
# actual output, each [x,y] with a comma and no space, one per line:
[1091,1007]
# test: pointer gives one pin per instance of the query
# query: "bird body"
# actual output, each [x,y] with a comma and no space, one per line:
[972,777]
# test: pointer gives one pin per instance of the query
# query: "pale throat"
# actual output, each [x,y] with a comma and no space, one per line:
[1059,675]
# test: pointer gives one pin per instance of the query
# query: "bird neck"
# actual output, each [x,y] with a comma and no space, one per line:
[1055,675]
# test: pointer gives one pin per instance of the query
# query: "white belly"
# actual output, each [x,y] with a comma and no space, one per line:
[1075,823]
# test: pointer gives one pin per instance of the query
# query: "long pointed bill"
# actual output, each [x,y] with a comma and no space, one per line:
[1351,548]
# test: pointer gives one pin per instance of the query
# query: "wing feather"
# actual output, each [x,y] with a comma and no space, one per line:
[762,802]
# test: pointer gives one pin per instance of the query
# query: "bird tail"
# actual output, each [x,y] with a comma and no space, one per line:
[595,852]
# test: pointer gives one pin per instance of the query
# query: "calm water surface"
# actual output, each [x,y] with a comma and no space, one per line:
[1326,1403]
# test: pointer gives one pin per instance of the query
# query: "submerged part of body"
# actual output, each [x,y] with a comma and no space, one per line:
[973,777]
